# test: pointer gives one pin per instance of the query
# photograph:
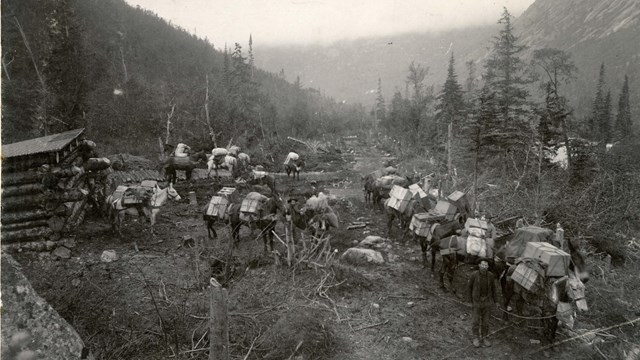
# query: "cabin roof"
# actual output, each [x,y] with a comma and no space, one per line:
[40,145]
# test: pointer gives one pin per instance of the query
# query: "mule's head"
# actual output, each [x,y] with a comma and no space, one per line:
[172,193]
[576,291]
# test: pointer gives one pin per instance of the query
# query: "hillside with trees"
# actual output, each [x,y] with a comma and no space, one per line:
[129,78]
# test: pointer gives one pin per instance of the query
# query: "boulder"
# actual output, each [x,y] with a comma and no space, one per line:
[359,256]
[30,326]
[371,242]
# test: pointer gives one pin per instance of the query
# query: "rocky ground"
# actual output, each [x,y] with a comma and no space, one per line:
[154,303]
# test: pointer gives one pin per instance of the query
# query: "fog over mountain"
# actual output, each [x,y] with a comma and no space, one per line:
[593,31]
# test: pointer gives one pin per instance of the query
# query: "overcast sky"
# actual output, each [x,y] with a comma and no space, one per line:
[322,21]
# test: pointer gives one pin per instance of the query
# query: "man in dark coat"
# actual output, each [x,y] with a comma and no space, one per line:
[481,292]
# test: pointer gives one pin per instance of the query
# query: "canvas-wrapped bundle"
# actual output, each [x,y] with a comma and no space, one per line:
[181,151]
[477,228]
[219,152]
[318,204]
[97,164]
[291,157]
[476,246]
[516,247]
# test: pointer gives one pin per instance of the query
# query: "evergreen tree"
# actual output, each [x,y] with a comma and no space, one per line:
[251,59]
[398,118]
[380,110]
[605,119]
[450,108]
[557,68]
[506,77]
[624,129]
[505,73]
[598,111]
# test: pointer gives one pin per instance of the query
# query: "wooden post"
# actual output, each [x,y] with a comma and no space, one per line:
[193,200]
[288,238]
[218,323]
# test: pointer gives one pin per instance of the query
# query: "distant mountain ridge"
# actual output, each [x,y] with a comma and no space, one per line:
[593,31]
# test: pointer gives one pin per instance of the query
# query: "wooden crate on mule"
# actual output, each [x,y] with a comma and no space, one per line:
[218,206]
[230,193]
[399,198]
[420,224]
[557,261]
[526,276]
[445,208]
[252,203]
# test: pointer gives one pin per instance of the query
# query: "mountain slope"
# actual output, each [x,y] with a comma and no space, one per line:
[593,31]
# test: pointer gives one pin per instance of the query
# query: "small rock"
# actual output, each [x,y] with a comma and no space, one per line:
[375,306]
[61,252]
[534,341]
[389,246]
[371,241]
[407,339]
[75,282]
[393,258]
[108,256]
[410,304]
[355,242]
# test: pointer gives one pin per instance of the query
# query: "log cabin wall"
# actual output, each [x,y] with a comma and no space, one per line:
[40,205]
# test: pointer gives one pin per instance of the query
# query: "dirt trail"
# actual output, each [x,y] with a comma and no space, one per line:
[399,312]
[408,316]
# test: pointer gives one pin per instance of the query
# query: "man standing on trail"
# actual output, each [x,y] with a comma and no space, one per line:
[481,292]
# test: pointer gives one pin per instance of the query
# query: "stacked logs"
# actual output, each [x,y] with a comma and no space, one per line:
[42,204]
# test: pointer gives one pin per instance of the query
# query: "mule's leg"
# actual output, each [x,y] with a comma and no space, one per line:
[507,293]
[445,262]
[424,247]
[451,272]
[434,250]
[211,231]
[390,218]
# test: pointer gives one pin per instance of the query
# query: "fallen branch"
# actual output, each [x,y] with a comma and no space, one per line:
[371,326]
[359,226]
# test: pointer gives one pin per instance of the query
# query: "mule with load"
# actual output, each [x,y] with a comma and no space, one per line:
[146,202]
